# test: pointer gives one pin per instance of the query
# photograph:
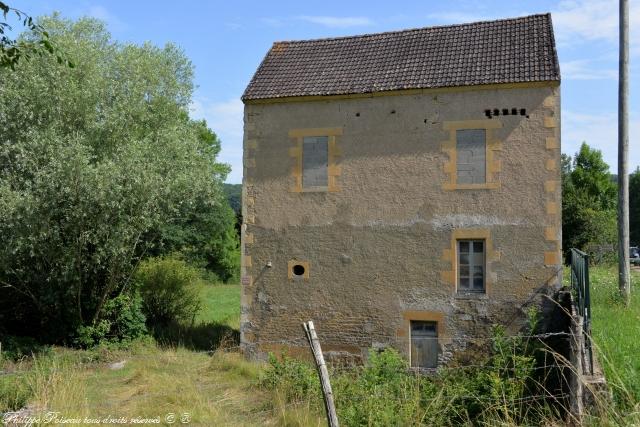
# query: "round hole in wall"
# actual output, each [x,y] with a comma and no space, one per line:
[298,270]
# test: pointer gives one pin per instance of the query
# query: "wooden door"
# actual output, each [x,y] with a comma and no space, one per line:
[424,344]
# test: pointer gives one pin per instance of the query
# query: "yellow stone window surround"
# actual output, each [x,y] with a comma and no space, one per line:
[450,255]
[333,169]
[493,166]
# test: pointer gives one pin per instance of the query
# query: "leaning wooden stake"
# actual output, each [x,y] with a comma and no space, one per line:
[314,343]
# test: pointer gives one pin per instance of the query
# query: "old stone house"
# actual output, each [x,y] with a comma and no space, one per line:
[401,189]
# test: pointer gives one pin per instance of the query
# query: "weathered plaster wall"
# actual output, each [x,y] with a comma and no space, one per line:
[379,249]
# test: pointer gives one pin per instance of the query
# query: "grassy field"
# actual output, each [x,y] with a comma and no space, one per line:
[616,333]
[169,384]
[155,382]
[221,303]
[161,382]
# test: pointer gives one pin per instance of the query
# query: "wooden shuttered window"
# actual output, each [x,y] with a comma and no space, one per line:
[424,344]
[315,161]
[471,164]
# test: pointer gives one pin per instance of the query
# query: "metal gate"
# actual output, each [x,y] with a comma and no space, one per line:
[580,286]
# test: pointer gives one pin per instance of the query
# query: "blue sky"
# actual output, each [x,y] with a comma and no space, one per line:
[226,40]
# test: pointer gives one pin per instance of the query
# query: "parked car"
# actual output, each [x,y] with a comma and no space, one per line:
[634,255]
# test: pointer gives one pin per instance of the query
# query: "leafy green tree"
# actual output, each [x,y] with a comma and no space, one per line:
[588,201]
[37,41]
[234,195]
[96,163]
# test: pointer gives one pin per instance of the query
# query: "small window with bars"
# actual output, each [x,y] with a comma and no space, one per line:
[315,162]
[471,266]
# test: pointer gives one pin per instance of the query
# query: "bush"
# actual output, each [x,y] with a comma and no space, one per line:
[123,320]
[169,295]
[296,380]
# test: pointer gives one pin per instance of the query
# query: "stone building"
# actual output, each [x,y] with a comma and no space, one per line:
[401,189]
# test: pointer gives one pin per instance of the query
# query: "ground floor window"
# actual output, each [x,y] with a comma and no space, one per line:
[424,344]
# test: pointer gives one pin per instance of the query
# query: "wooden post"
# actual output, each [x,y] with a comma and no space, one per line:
[623,155]
[577,360]
[327,393]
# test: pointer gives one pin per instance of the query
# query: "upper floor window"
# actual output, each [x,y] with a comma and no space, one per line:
[315,162]
[315,166]
[471,266]
[471,148]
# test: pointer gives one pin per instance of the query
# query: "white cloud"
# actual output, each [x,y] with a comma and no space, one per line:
[578,21]
[599,131]
[585,69]
[338,22]
[225,118]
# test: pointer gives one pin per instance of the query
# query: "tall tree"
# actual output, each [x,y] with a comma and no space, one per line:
[96,162]
[588,201]
[624,282]
[36,42]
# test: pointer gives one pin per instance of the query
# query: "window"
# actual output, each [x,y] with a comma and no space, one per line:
[424,344]
[315,161]
[471,150]
[471,266]
[315,166]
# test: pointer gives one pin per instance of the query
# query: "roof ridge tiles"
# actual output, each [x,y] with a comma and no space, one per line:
[415,29]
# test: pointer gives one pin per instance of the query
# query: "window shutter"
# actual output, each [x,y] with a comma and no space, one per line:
[424,344]
[315,160]
[471,156]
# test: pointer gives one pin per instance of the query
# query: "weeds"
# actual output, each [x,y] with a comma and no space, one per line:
[386,392]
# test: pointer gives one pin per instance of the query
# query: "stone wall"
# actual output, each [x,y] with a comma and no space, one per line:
[379,243]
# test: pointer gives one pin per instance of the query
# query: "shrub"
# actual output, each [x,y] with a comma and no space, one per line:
[123,320]
[169,295]
[295,379]
[382,393]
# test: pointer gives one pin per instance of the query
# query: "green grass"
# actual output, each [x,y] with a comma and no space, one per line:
[224,389]
[218,390]
[220,303]
[616,334]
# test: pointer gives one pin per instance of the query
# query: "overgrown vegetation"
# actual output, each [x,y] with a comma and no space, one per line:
[500,391]
[224,389]
[100,169]
[615,329]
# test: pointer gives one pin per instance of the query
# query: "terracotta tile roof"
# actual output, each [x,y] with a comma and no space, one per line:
[502,51]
